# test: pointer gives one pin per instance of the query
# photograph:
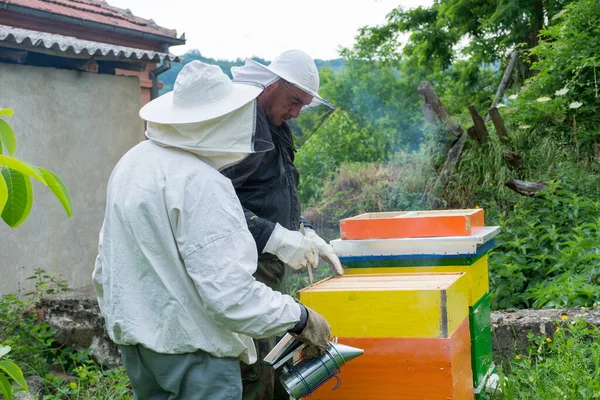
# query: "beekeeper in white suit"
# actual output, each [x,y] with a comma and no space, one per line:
[174,270]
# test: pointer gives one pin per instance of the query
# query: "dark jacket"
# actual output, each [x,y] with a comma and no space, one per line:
[267,184]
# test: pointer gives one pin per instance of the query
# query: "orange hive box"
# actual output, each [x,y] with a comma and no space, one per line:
[407,224]
[405,369]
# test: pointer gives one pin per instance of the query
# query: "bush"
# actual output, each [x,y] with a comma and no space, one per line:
[548,254]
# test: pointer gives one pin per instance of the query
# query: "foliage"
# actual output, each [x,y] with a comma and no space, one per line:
[482,31]
[31,341]
[33,348]
[563,99]
[16,193]
[339,140]
[378,114]
[9,369]
[564,365]
[91,382]
[548,254]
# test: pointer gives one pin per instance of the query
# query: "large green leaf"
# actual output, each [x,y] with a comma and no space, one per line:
[7,112]
[59,189]
[14,372]
[7,137]
[3,199]
[21,166]
[20,197]
[5,387]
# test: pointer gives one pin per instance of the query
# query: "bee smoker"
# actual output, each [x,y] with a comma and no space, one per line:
[303,376]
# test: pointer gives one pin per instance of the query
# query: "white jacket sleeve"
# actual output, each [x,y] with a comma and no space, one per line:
[220,256]
[97,274]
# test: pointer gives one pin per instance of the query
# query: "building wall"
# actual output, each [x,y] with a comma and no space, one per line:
[78,125]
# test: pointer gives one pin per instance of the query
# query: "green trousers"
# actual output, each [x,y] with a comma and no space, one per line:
[261,382]
[190,376]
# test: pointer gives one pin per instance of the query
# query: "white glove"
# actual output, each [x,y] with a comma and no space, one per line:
[325,251]
[293,248]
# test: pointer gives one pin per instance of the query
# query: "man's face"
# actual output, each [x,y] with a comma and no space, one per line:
[282,101]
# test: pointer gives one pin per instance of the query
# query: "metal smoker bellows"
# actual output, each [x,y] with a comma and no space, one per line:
[306,375]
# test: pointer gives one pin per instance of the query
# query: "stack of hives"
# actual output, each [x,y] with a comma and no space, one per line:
[415,298]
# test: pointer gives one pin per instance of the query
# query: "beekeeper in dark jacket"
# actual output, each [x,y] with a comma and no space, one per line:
[267,186]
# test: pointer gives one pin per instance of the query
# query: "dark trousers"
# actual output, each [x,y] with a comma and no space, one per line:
[261,382]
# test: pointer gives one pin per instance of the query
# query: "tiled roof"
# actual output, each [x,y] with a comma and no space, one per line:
[72,45]
[98,11]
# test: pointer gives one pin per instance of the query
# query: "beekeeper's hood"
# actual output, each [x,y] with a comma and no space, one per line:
[293,66]
[208,115]
[299,69]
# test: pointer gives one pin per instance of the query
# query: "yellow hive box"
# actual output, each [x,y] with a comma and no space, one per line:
[392,306]
[477,274]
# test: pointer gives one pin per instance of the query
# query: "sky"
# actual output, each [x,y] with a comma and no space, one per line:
[231,29]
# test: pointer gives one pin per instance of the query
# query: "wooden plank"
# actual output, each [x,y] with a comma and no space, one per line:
[477,274]
[525,188]
[480,326]
[482,357]
[480,129]
[401,369]
[494,114]
[412,224]
[423,311]
[505,79]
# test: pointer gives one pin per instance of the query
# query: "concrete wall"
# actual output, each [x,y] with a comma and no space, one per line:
[78,125]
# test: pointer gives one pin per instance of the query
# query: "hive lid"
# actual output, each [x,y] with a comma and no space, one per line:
[412,224]
[443,246]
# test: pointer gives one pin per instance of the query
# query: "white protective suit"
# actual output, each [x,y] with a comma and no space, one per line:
[176,258]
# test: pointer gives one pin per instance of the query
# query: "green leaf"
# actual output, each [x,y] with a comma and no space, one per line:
[4,350]
[7,112]
[5,387]
[14,372]
[56,185]
[3,197]
[21,166]
[20,197]
[7,137]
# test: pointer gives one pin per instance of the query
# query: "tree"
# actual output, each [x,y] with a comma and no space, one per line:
[482,30]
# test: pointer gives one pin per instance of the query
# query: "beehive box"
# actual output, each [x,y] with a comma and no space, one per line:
[437,255]
[412,224]
[414,329]
[476,273]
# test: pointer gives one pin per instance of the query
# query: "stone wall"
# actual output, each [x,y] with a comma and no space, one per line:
[76,317]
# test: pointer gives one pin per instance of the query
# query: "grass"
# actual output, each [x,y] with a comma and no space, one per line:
[564,366]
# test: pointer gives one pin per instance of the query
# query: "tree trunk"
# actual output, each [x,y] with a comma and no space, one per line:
[525,188]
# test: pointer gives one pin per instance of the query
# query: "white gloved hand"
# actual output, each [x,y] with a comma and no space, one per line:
[293,248]
[325,251]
